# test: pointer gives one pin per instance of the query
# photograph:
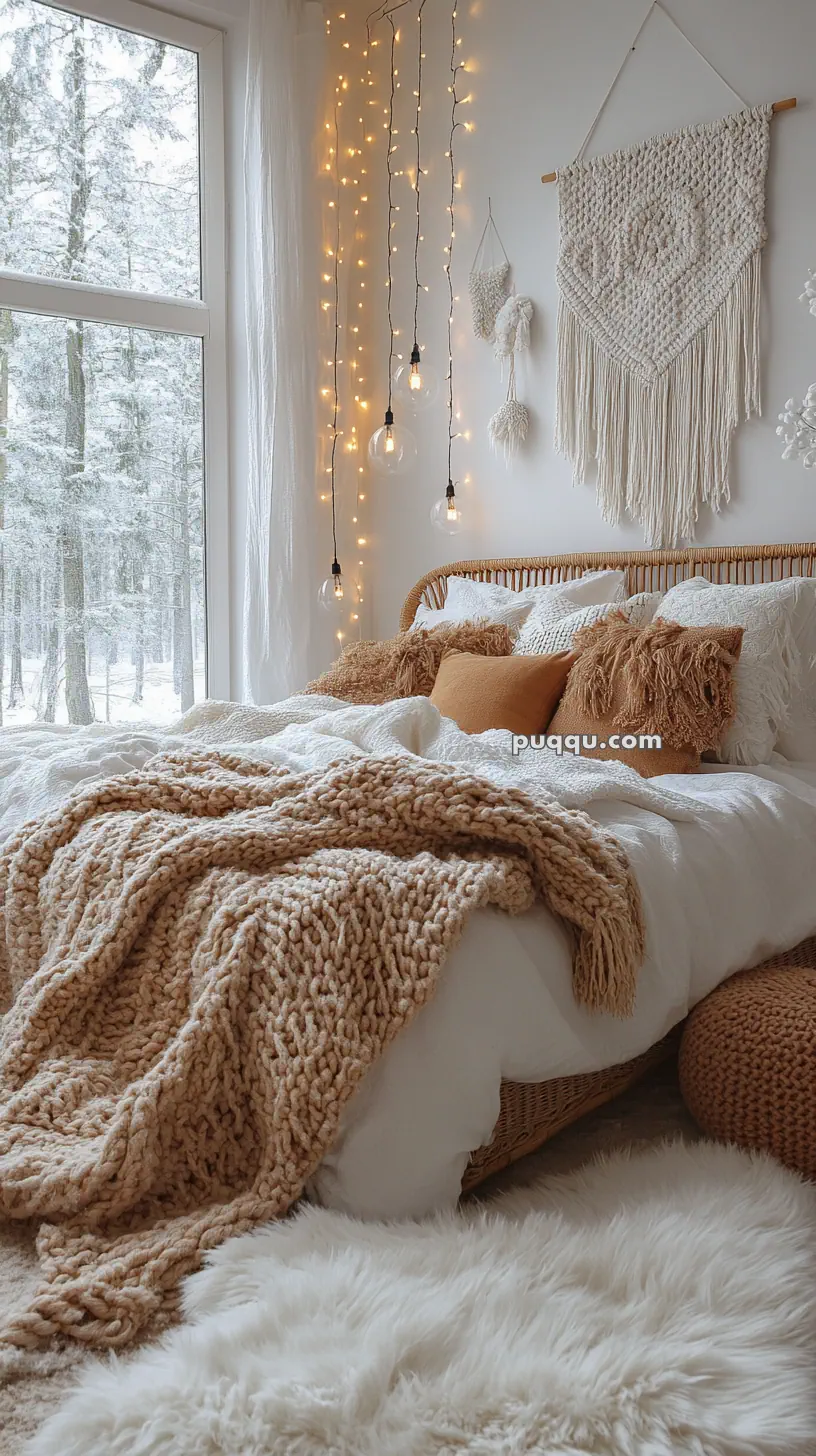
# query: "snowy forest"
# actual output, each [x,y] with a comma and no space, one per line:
[101,470]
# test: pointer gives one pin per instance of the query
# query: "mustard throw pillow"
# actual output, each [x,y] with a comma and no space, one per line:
[517,693]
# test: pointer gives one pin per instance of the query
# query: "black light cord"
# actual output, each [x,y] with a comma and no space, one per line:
[391,207]
[418,177]
[336,332]
[381,12]
[385,12]
[455,69]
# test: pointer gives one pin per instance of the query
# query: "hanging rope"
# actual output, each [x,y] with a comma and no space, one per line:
[656,4]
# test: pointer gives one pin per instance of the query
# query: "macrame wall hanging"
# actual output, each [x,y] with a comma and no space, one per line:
[488,282]
[658,316]
[509,425]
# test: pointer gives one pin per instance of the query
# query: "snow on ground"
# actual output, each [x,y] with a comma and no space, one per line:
[160,703]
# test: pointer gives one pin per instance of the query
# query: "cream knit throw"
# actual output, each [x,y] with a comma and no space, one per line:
[207,956]
[658,319]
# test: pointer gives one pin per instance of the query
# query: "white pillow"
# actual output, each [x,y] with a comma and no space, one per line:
[798,741]
[552,631]
[470,600]
[767,674]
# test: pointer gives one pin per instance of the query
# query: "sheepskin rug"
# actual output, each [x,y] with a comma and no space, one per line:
[660,1303]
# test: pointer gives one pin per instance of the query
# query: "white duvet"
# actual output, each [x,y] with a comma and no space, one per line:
[725,860]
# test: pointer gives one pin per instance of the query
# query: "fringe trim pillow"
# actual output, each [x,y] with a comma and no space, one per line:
[406,666]
[666,681]
[769,669]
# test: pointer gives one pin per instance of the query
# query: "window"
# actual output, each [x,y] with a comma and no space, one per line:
[113,512]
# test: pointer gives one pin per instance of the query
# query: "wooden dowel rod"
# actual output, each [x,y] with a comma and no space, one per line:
[787,105]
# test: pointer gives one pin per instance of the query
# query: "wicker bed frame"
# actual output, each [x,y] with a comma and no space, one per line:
[533,1112]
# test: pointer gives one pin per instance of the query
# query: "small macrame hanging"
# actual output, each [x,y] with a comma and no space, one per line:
[509,425]
[488,279]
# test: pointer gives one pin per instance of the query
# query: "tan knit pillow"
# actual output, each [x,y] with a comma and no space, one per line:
[405,666]
[666,680]
[517,693]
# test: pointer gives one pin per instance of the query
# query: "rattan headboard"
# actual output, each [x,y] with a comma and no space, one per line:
[646,570]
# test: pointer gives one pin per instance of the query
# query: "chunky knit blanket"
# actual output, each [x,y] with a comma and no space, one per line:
[206,957]
[658,321]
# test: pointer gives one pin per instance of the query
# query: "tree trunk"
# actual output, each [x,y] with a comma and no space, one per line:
[49,686]
[183,673]
[137,549]
[77,693]
[16,695]
[6,330]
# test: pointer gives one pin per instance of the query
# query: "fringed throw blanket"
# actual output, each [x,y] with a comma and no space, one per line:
[658,320]
[207,957]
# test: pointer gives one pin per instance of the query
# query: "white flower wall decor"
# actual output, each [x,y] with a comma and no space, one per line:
[797,422]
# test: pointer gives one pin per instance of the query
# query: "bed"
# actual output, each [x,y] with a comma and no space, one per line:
[530,1113]
[504,1056]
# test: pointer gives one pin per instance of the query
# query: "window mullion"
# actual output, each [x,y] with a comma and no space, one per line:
[27,293]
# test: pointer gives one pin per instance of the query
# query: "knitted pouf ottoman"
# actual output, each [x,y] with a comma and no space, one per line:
[748,1060]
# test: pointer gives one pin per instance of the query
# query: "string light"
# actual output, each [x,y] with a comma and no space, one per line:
[418,382]
[391,449]
[347,145]
[330,595]
[445,514]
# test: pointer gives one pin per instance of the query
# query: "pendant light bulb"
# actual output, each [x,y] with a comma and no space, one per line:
[445,514]
[392,449]
[330,595]
[417,383]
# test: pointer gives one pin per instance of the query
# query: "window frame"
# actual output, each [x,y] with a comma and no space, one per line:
[204,318]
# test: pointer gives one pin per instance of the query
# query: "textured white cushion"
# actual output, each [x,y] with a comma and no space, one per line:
[551,628]
[767,674]
[471,600]
[798,741]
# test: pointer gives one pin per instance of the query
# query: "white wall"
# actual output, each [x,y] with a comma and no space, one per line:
[541,72]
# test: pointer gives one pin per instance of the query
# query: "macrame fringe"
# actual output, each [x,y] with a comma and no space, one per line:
[488,290]
[662,448]
[678,684]
[508,428]
[509,425]
[512,328]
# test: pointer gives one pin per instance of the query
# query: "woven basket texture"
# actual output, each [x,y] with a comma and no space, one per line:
[748,1060]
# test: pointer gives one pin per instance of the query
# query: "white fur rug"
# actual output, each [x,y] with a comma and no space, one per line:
[661,1303]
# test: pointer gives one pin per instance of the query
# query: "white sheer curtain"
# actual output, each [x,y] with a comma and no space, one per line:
[283,87]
